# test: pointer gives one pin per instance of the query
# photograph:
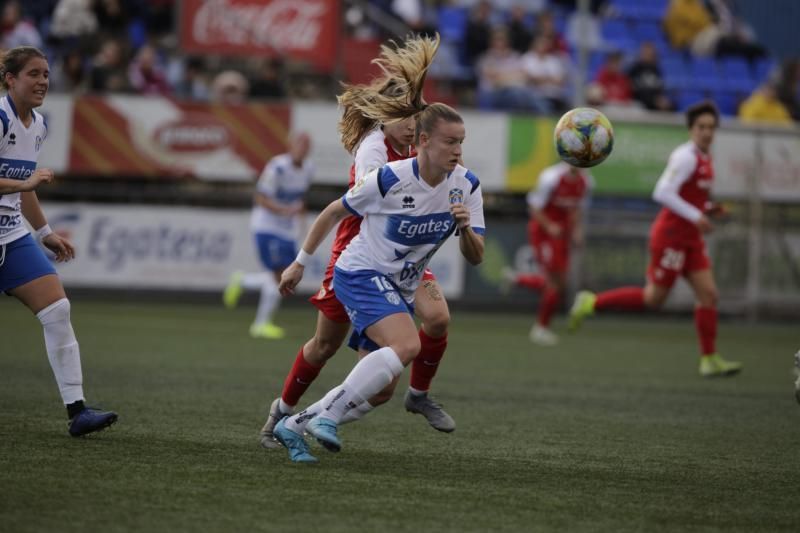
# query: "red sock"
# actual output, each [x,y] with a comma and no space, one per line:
[530,281]
[426,363]
[705,320]
[300,377]
[624,298]
[548,306]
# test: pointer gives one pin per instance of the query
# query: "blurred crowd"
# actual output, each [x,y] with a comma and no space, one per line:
[518,55]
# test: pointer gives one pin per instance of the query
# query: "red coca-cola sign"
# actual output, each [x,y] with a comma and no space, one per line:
[302,29]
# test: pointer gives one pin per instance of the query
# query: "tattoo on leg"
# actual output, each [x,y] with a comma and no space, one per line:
[432,289]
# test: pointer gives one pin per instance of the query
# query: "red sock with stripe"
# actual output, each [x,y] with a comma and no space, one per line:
[548,306]
[426,363]
[624,298]
[299,379]
[705,320]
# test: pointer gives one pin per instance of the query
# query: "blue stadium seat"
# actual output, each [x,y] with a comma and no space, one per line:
[453,23]
[703,73]
[615,29]
[727,102]
[688,97]
[763,69]
[676,74]
[736,74]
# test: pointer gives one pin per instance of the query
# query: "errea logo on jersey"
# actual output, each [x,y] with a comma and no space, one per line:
[408,202]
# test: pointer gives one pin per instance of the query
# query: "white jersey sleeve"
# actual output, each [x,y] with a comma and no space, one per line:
[370,154]
[474,203]
[680,167]
[366,195]
[548,180]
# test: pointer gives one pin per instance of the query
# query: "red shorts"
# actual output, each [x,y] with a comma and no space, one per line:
[552,254]
[670,260]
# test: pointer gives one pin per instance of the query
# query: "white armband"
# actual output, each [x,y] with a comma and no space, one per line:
[43,232]
[303,258]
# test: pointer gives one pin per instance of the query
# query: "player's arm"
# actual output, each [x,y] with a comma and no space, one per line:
[270,204]
[32,211]
[679,169]
[320,229]
[470,222]
[39,176]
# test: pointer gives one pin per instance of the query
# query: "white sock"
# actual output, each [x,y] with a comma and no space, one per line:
[254,280]
[298,422]
[270,297]
[368,378]
[357,414]
[285,407]
[62,350]
[416,392]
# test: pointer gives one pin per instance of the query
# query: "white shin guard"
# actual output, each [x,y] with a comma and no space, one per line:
[62,350]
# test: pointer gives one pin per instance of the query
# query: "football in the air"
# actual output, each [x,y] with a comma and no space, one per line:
[584,137]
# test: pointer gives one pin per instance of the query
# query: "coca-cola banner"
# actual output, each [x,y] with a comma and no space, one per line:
[303,29]
[135,136]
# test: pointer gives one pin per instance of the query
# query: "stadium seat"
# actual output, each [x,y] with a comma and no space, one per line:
[676,75]
[727,102]
[703,73]
[453,23]
[763,69]
[687,98]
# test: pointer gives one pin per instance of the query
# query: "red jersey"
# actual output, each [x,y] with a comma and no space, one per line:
[683,190]
[373,152]
[560,193]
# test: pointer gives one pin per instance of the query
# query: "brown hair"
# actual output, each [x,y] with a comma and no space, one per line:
[701,108]
[395,95]
[15,59]
[430,116]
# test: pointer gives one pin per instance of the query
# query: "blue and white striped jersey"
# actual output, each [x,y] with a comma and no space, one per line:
[286,184]
[19,151]
[406,220]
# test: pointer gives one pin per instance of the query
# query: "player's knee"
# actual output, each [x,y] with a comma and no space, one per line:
[57,311]
[436,325]
[654,299]
[708,297]
[407,349]
[321,349]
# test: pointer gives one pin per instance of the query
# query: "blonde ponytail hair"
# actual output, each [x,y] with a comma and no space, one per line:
[393,96]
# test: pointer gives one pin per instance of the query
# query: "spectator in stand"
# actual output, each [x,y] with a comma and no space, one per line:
[546,27]
[108,72]
[583,30]
[735,36]
[546,71]
[502,82]
[268,82]
[193,83]
[788,87]
[69,74]
[112,16]
[647,81]
[613,81]
[146,73]
[685,21]
[764,107]
[15,30]
[518,29]
[478,31]
[230,87]
[73,22]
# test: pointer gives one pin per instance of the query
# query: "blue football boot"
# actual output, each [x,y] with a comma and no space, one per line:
[90,420]
[296,444]
[324,430]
